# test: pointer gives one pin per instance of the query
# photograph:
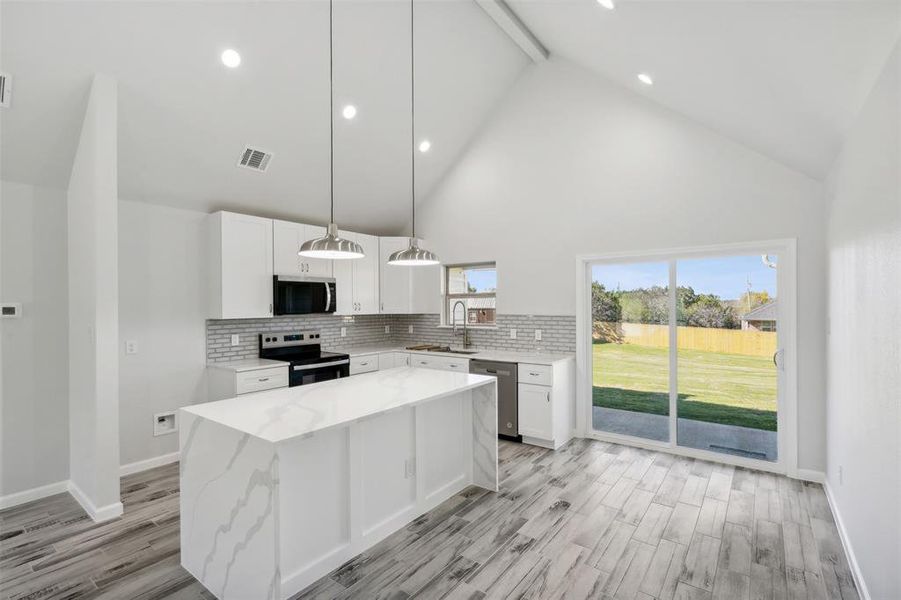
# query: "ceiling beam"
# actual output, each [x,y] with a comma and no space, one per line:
[515,29]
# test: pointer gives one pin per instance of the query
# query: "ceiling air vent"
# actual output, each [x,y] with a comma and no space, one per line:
[6,89]
[255,159]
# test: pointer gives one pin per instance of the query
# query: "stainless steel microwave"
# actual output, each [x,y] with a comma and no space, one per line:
[303,295]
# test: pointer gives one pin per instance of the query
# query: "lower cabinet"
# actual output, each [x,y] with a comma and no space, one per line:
[391,360]
[546,397]
[223,382]
[364,364]
[444,363]
[536,418]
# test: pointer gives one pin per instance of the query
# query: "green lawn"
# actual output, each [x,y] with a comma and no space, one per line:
[720,388]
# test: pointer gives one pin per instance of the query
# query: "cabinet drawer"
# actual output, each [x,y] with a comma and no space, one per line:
[261,379]
[455,364]
[537,374]
[364,364]
[440,362]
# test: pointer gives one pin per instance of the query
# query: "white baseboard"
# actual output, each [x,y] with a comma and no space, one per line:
[51,489]
[97,514]
[150,463]
[846,544]
[811,475]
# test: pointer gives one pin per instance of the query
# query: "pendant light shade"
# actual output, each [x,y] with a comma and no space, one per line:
[330,246]
[413,255]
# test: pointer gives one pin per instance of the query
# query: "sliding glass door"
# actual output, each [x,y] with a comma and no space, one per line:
[685,352]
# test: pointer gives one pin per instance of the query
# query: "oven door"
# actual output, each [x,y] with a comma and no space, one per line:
[303,296]
[304,374]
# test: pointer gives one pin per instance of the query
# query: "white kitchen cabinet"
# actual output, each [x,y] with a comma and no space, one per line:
[228,381]
[287,238]
[391,360]
[357,280]
[407,290]
[240,266]
[394,280]
[535,414]
[364,364]
[546,398]
[445,363]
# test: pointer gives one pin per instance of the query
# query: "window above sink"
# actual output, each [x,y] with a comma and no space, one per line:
[475,286]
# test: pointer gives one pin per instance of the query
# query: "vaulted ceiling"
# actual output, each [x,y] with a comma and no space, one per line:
[784,77]
[184,117]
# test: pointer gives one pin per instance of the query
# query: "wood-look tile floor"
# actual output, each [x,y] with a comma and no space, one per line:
[593,520]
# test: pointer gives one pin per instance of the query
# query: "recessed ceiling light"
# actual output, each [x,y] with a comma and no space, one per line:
[424,145]
[608,4]
[645,79]
[231,58]
[349,111]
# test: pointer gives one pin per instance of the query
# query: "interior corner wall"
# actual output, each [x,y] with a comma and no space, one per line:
[163,308]
[34,411]
[864,348]
[574,165]
[93,307]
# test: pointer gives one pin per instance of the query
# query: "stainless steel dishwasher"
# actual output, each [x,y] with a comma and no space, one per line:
[507,400]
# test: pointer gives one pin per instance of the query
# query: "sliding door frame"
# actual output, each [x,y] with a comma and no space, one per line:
[787,400]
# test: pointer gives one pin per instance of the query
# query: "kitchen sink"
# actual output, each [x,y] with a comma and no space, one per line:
[447,350]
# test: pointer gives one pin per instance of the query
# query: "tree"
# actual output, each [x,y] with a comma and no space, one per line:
[751,300]
[709,311]
[605,305]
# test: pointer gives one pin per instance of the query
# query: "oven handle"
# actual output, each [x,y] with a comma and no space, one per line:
[318,365]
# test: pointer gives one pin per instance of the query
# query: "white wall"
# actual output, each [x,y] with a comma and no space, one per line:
[864,358]
[575,165]
[93,308]
[34,418]
[162,306]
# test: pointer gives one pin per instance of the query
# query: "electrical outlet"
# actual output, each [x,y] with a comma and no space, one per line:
[164,423]
[537,335]
[236,339]
[410,329]
[410,468]
[512,334]
[387,328]
[841,476]
[344,332]
[131,347]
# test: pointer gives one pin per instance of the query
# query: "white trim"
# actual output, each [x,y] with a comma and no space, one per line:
[811,475]
[51,489]
[150,463]
[787,282]
[97,514]
[856,573]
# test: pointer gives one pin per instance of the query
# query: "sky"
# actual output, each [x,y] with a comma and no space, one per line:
[727,277]
[483,280]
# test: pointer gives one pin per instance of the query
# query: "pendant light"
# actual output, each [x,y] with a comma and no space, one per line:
[331,246]
[413,255]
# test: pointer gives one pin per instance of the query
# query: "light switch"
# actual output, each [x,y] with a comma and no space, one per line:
[131,347]
[512,334]
[537,335]
[344,332]
[410,329]
[387,328]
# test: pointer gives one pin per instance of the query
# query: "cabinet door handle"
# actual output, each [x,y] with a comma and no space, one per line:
[453,366]
[262,379]
[548,396]
[270,308]
[534,374]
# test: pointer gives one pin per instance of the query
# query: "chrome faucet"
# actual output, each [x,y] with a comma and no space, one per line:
[466,343]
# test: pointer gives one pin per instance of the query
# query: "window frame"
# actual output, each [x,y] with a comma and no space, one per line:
[446,296]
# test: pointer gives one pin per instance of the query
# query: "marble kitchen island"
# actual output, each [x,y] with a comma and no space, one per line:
[280,487]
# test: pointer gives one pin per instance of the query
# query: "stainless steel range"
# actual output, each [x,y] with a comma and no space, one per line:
[308,363]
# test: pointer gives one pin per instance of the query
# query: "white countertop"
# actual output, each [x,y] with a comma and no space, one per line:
[248,364]
[286,413]
[538,358]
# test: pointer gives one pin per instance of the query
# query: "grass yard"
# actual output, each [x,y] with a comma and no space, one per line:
[719,388]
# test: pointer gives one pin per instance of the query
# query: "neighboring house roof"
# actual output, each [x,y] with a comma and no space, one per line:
[765,312]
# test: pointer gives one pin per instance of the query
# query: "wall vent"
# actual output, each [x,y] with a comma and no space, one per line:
[254,159]
[6,89]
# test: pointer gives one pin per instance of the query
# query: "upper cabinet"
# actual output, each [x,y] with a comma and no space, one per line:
[287,238]
[240,266]
[357,280]
[407,290]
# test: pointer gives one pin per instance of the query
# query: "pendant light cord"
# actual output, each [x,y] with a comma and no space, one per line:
[331,118]
[412,124]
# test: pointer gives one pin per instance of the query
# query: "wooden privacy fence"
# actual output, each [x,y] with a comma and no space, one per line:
[705,339]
